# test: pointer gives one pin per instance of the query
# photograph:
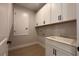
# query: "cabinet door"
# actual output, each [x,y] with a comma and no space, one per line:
[54,51]
[43,15]
[56,12]
[46,14]
[39,18]
[63,53]
[69,12]
[49,50]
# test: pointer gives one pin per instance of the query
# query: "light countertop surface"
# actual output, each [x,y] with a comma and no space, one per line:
[68,41]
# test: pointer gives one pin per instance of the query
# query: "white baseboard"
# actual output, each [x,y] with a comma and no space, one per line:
[26,45]
[21,46]
[43,45]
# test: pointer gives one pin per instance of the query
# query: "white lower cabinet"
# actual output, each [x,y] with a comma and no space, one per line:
[3,48]
[56,49]
[49,51]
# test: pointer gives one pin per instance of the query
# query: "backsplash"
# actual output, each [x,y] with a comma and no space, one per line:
[67,29]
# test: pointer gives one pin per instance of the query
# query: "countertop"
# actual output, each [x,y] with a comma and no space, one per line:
[64,40]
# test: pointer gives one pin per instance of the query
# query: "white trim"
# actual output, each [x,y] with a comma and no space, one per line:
[26,45]
[3,41]
[21,46]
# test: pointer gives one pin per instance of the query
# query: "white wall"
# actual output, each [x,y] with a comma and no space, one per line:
[25,39]
[67,29]
[5,19]
[21,21]
[77,15]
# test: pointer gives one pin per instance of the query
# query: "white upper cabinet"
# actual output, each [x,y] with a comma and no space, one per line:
[39,17]
[62,12]
[69,11]
[43,15]
[56,12]
[46,15]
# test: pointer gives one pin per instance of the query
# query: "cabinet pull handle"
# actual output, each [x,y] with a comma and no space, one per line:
[54,52]
[77,48]
[9,42]
[59,17]
[43,22]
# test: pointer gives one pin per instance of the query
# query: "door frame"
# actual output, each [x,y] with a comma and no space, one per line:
[77,16]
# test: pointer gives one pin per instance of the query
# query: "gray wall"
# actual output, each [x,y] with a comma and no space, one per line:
[25,39]
[67,29]
[6,18]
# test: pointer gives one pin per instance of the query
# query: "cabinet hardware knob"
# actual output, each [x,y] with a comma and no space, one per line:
[54,52]
[43,22]
[36,24]
[26,28]
[77,48]
[9,42]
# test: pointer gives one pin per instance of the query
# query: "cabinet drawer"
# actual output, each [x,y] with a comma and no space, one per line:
[62,46]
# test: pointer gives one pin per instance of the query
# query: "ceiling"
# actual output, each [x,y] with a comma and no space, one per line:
[32,6]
